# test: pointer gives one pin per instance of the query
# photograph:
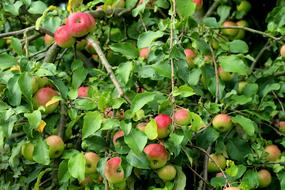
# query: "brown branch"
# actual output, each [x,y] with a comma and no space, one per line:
[108,68]
[199,176]
[51,54]
[18,32]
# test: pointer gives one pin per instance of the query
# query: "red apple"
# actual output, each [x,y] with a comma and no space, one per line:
[167,172]
[163,122]
[56,146]
[229,31]
[43,96]
[281,126]
[220,161]
[114,172]
[182,116]
[63,37]
[225,76]
[48,39]
[91,162]
[282,51]
[83,91]
[117,135]
[190,55]
[157,155]
[144,52]
[199,3]
[222,122]
[264,178]
[80,24]
[273,152]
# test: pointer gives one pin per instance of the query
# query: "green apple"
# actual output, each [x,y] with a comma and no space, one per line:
[163,122]
[222,122]
[264,178]
[224,75]
[241,86]
[113,171]
[167,172]
[244,6]
[157,155]
[220,160]
[27,151]
[241,33]
[56,146]
[273,152]
[91,162]
[229,31]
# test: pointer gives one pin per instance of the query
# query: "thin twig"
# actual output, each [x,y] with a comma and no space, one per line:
[265,47]
[108,68]
[280,102]
[198,175]
[18,32]
[212,8]
[205,169]
[216,75]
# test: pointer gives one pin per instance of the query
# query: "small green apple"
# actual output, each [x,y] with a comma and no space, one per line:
[281,126]
[229,31]
[27,151]
[91,162]
[241,86]
[244,6]
[167,172]
[220,161]
[224,75]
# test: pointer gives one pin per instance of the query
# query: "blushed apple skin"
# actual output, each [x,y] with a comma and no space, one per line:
[190,55]
[157,155]
[113,171]
[222,122]
[264,178]
[232,188]
[224,75]
[167,172]
[117,135]
[48,40]
[273,152]
[91,162]
[56,146]
[282,51]
[43,96]
[83,92]
[163,122]
[144,52]
[63,38]
[182,116]
[229,31]
[281,126]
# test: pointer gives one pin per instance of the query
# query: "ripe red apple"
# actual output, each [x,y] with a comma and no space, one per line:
[27,151]
[219,159]
[182,117]
[229,31]
[199,3]
[56,146]
[264,178]
[281,126]
[225,76]
[157,155]
[63,37]
[167,172]
[48,39]
[282,51]
[244,6]
[91,162]
[144,52]
[80,24]
[117,135]
[114,172]
[163,122]
[273,152]
[83,91]
[43,96]
[222,122]
[190,55]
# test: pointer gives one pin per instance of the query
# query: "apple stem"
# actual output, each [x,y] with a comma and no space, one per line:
[108,68]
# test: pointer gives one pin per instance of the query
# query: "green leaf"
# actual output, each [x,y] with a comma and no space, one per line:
[137,161]
[37,7]
[51,23]
[251,179]
[16,46]
[238,149]
[136,140]
[162,69]
[76,166]
[34,118]
[183,91]
[140,100]
[41,152]
[14,91]
[63,176]
[13,8]
[39,178]
[238,46]
[233,63]
[207,137]
[196,121]
[124,70]
[281,177]
[25,83]
[269,88]
[127,49]
[184,8]
[85,104]
[91,123]
[145,39]
[79,75]
[223,11]
[151,129]
[247,124]
[7,61]
[180,179]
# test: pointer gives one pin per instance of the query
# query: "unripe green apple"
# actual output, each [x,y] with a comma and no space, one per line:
[229,31]
[91,162]
[241,86]
[167,172]
[82,91]
[80,24]
[27,151]
[157,155]
[241,33]
[273,152]
[113,171]
[281,126]
[190,55]
[56,146]
[48,40]
[163,122]
[118,186]
[144,52]
[244,6]
[43,96]
[42,82]
[224,75]
[63,37]
[282,51]
[119,134]
[220,161]
[264,178]
[182,117]
[222,122]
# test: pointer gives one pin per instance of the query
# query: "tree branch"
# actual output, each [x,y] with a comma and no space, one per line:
[51,54]
[204,180]
[108,68]
[265,47]
[212,8]
[18,32]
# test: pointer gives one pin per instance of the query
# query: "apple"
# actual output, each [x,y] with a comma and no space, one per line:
[199,3]
[119,186]
[119,4]
[241,86]
[264,178]
[182,116]
[222,122]
[141,126]
[241,33]
[113,171]
[244,6]
[157,155]
[83,91]
[229,31]
[273,152]
[232,188]
[167,172]
[80,24]
[282,51]
[91,162]
[63,38]
[225,76]
[43,96]
[281,126]
[219,174]
[190,55]
[48,39]
[117,135]
[27,151]
[144,52]
[163,122]
[56,146]
[220,161]
[208,59]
